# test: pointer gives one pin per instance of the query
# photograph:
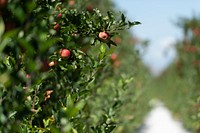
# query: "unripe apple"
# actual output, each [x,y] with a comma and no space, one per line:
[65,53]
[103,35]
[28,98]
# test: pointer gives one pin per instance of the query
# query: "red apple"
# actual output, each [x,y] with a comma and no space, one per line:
[117,64]
[52,63]
[118,40]
[59,15]
[28,76]
[71,2]
[3,3]
[113,57]
[90,8]
[103,35]
[196,31]
[65,53]
[56,27]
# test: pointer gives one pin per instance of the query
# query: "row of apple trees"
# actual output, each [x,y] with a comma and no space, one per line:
[188,69]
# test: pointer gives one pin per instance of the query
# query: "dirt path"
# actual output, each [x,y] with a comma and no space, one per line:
[160,120]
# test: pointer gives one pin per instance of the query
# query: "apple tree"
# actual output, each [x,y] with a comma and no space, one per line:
[54,64]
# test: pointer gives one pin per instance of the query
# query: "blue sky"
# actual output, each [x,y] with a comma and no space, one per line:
[158,19]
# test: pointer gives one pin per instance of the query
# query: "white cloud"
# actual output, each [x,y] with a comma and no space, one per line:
[159,55]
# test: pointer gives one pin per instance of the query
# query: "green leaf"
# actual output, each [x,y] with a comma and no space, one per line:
[123,18]
[18,12]
[110,15]
[110,128]
[84,92]
[80,104]
[30,6]
[72,111]
[101,56]
[5,79]
[63,68]
[133,23]
[110,51]
[2,27]
[46,122]
[70,102]
[28,47]
[47,44]
[74,131]
[91,80]
[93,41]
[103,48]
[113,43]
[7,38]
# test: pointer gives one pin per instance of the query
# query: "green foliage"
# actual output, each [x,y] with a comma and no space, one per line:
[41,91]
[188,67]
